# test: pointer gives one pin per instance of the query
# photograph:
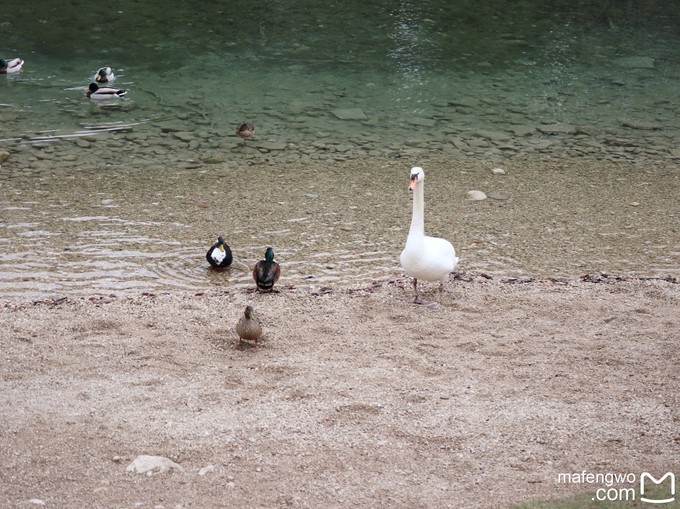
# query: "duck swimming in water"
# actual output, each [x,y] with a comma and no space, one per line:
[245,130]
[266,272]
[98,93]
[104,75]
[11,65]
[219,255]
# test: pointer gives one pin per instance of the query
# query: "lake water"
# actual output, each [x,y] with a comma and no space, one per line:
[577,99]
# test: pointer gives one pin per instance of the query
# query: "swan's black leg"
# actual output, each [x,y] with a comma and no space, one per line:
[415,289]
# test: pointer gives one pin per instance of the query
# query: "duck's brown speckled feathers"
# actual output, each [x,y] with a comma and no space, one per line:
[245,130]
[248,327]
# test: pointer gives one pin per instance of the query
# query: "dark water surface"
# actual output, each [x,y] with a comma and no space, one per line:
[345,97]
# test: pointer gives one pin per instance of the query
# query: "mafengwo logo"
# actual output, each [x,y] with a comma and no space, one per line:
[647,480]
[626,487]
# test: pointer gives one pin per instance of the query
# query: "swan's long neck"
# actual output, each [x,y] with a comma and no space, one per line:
[418,220]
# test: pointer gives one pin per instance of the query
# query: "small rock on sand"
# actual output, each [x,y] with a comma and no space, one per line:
[149,464]
[349,114]
[476,195]
[206,470]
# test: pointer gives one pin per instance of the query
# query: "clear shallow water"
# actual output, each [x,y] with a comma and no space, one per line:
[127,197]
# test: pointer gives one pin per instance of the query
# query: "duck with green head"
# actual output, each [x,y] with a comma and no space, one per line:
[266,272]
[97,93]
[104,75]
[11,65]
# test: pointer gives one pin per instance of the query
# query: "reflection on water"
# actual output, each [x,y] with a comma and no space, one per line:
[129,195]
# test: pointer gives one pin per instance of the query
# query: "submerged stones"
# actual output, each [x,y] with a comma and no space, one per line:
[349,114]
[635,62]
[480,118]
[557,129]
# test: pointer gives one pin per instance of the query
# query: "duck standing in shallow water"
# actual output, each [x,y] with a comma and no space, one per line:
[245,130]
[266,272]
[219,255]
[104,75]
[428,258]
[98,93]
[11,65]
[248,327]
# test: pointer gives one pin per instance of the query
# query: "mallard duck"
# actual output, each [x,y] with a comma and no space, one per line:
[266,272]
[219,255]
[248,327]
[428,258]
[11,65]
[98,93]
[104,75]
[245,131]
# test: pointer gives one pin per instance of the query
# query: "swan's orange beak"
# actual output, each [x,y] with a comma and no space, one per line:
[412,184]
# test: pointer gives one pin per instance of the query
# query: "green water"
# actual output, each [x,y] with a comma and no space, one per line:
[345,97]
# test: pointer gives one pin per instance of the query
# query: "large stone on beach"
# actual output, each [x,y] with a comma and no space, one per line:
[4,155]
[476,195]
[149,464]
[349,114]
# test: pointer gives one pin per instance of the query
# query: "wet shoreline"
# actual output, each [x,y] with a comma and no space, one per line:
[132,228]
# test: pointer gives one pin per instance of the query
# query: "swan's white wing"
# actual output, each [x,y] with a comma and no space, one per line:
[432,259]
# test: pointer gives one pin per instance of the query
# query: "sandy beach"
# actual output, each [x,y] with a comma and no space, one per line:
[355,397]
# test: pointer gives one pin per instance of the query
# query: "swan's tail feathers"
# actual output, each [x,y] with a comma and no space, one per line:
[445,278]
[455,263]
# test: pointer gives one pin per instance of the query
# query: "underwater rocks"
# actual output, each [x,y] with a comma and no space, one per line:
[493,124]
[349,114]
[635,62]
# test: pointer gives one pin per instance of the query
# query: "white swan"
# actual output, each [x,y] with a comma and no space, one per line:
[428,258]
